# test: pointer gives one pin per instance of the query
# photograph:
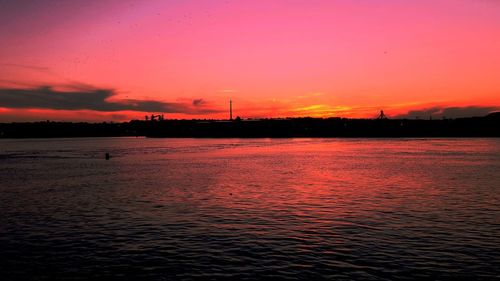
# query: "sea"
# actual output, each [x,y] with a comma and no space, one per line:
[249,209]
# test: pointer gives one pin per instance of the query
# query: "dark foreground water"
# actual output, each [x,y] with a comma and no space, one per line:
[230,209]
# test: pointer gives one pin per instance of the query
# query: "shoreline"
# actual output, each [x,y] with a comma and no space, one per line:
[474,127]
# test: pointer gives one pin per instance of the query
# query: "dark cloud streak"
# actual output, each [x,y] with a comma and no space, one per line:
[80,98]
[199,102]
[450,112]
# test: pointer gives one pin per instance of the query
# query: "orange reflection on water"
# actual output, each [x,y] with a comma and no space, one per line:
[299,184]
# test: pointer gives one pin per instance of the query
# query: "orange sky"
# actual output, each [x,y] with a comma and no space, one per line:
[273,58]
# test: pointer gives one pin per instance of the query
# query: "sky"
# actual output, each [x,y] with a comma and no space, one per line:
[117,60]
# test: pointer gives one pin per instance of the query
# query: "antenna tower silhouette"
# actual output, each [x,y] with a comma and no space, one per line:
[231,110]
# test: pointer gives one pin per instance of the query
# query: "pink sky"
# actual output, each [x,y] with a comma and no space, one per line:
[273,58]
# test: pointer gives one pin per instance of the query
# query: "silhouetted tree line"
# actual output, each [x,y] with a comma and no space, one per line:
[488,126]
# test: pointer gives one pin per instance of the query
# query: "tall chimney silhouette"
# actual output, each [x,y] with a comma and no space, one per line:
[230,109]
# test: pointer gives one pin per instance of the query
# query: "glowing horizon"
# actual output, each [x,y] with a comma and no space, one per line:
[273,59]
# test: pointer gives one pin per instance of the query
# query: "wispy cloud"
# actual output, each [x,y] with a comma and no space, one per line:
[25,66]
[227,91]
[84,97]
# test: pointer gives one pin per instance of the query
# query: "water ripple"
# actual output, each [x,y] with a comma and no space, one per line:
[313,209]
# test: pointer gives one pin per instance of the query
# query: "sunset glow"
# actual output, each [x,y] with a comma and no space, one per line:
[186,59]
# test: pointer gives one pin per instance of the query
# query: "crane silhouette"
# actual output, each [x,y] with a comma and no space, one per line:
[382,116]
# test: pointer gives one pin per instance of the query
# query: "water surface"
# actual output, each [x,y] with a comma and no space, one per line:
[245,209]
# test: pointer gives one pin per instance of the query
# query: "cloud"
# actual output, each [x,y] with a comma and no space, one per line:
[81,97]
[199,102]
[450,112]
[25,66]
[227,91]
